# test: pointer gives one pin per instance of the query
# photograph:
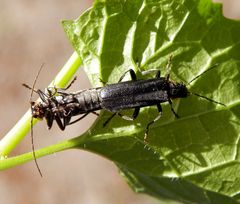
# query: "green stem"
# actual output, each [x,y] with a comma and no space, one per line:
[63,145]
[18,132]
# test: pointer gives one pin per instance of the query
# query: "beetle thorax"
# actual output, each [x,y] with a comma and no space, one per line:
[178,90]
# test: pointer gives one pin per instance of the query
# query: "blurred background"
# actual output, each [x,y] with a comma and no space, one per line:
[31,34]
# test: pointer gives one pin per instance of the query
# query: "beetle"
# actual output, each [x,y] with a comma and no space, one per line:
[59,105]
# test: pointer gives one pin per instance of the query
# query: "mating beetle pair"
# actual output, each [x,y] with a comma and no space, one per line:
[61,106]
[57,104]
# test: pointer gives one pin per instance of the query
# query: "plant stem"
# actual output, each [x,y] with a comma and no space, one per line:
[21,159]
[22,127]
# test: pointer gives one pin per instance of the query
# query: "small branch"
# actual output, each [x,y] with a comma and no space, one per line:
[63,145]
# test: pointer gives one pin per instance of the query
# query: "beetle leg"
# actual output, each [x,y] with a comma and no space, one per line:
[170,103]
[108,120]
[153,121]
[83,116]
[95,113]
[132,74]
[131,118]
[60,123]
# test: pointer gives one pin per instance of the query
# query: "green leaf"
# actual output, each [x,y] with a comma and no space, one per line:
[174,189]
[201,149]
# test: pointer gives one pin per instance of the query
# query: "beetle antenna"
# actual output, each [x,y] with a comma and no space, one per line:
[29,87]
[208,99]
[33,149]
[31,122]
[35,81]
[212,67]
